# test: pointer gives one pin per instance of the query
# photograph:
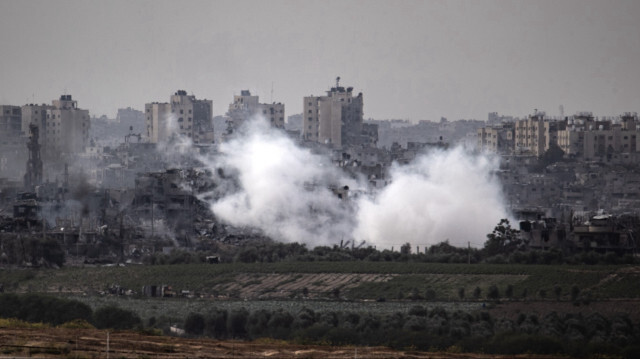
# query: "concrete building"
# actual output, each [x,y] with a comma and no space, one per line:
[498,139]
[530,136]
[245,106]
[12,142]
[184,115]
[157,120]
[334,119]
[585,137]
[10,120]
[64,128]
[34,114]
[67,127]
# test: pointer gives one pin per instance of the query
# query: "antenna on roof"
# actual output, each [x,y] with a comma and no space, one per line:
[271,92]
[337,81]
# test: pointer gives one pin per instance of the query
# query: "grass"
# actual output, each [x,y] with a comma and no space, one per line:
[444,279]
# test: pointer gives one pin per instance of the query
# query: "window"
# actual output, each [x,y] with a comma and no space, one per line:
[180,119]
[310,111]
[181,112]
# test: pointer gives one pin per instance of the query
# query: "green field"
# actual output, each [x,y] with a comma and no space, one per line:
[445,280]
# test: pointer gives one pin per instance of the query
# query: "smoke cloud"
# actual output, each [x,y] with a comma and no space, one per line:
[445,195]
[283,190]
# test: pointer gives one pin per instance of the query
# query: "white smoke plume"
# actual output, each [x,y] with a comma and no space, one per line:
[445,195]
[283,190]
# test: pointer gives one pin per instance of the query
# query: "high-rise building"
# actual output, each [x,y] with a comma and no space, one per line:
[34,114]
[63,127]
[184,115]
[10,121]
[245,106]
[66,127]
[12,142]
[334,119]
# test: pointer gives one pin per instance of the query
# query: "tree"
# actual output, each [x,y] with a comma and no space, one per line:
[113,317]
[575,291]
[476,292]
[503,239]
[552,155]
[236,322]
[194,324]
[493,292]
[53,252]
[509,291]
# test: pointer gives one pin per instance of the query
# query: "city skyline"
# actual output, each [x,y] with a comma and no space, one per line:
[411,60]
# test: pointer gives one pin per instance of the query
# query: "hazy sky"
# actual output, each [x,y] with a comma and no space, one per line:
[411,59]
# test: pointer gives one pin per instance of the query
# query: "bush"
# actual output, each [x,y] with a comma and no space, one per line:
[477,292]
[493,292]
[112,317]
[194,324]
[236,323]
[37,308]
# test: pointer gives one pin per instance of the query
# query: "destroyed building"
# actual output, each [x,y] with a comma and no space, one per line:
[245,106]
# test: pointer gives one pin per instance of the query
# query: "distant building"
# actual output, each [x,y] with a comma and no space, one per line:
[587,138]
[498,138]
[10,121]
[12,142]
[67,126]
[334,119]
[64,128]
[530,136]
[184,115]
[36,115]
[245,106]
[132,118]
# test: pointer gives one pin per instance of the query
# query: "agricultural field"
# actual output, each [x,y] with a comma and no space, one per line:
[339,280]
[92,343]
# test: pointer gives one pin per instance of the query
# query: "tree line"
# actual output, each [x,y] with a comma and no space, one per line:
[36,308]
[434,329]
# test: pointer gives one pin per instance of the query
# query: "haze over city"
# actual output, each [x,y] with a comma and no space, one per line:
[417,60]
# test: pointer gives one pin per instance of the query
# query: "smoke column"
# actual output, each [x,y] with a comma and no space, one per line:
[445,195]
[283,190]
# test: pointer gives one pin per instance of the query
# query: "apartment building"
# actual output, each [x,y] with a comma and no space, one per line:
[334,119]
[245,106]
[183,115]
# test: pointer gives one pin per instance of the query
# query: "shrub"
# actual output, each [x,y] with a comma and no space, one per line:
[509,291]
[493,292]
[236,323]
[477,292]
[112,317]
[194,324]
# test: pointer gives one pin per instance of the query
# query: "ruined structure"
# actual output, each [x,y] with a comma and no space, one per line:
[33,175]
[245,106]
